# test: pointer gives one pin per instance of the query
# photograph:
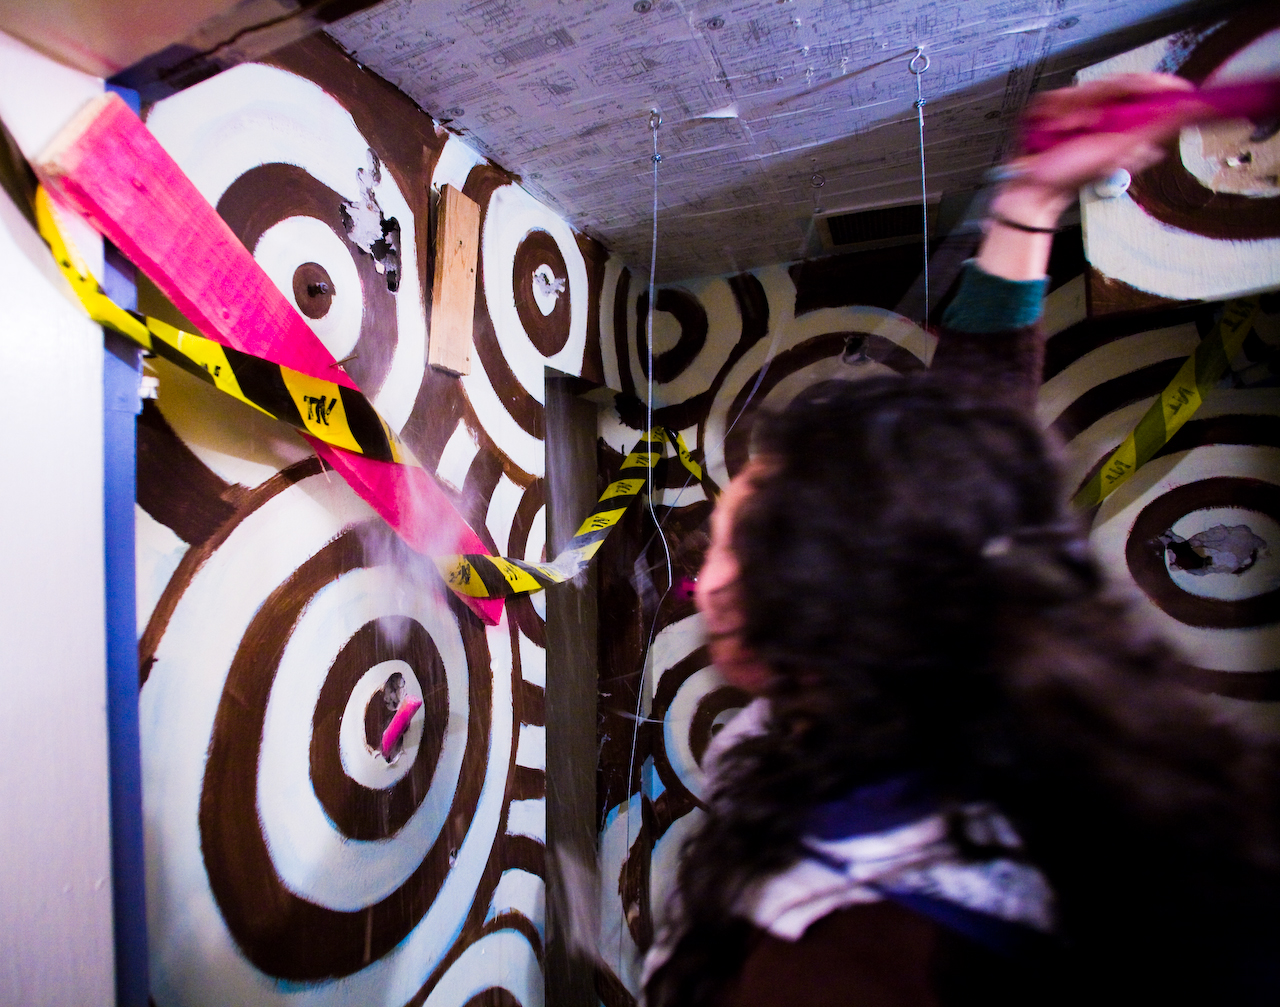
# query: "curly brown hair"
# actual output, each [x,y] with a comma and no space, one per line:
[911,574]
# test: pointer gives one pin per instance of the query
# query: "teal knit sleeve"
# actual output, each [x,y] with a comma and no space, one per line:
[986,303]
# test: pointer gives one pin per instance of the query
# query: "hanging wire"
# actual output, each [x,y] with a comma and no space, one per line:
[655,120]
[918,64]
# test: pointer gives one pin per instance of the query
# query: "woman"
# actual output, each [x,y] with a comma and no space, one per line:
[965,778]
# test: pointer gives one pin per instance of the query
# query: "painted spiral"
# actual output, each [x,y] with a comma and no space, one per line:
[849,343]
[1195,533]
[304,854]
[291,861]
[307,193]
[1204,223]
[531,313]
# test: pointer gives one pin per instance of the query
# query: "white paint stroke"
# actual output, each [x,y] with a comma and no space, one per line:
[528,818]
[674,643]
[504,959]
[519,891]
[1111,360]
[502,511]
[313,858]
[177,708]
[512,214]
[531,749]
[454,164]
[458,454]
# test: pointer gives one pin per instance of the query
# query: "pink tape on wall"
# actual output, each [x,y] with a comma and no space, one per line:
[108,167]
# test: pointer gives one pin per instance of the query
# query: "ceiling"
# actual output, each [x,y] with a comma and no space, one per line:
[760,100]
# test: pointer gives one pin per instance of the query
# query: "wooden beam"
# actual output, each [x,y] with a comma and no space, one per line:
[453,295]
[106,165]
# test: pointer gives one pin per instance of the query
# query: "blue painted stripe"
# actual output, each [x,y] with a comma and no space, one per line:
[122,366]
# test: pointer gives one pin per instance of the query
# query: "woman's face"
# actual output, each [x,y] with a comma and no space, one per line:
[716,593]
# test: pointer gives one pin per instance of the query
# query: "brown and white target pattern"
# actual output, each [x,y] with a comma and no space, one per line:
[798,352]
[281,159]
[695,329]
[1195,533]
[690,703]
[535,289]
[302,867]
[1206,222]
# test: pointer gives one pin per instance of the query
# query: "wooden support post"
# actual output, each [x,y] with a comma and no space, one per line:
[453,295]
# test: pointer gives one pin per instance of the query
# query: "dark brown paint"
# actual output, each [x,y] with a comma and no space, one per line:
[830,344]
[405,138]
[527,411]
[1172,194]
[692,316]
[313,289]
[360,812]
[280,933]
[1145,553]
[197,555]
[269,193]
[174,486]
[548,333]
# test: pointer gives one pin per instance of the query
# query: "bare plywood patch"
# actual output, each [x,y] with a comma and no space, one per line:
[453,294]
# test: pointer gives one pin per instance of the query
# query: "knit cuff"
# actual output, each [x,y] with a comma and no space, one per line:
[986,303]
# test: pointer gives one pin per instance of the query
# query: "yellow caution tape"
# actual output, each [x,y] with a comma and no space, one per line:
[1176,403]
[495,577]
[343,417]
[328,411]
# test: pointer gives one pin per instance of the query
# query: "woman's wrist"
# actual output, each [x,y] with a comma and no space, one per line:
[1030,204]
[1021,219]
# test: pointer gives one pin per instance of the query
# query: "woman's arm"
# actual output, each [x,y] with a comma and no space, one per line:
[1026,207]
[990,338]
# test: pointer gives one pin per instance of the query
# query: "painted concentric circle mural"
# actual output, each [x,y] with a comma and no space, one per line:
[315,870]
[291,859]
[287,167]
[1193,535]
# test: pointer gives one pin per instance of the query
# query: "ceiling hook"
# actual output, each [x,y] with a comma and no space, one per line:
[655,119]
[920,55]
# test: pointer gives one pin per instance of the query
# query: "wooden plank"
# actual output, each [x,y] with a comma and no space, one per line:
[453,295]
[106,165]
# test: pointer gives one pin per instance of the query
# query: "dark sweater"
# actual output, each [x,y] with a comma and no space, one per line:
[883,954]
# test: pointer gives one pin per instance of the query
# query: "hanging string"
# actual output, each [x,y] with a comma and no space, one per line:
[655,120]
[918,64]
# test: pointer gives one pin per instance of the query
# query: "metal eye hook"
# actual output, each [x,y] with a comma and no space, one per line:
[920,55]
[655,119]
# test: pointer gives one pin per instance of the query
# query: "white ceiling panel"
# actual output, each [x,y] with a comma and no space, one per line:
[756,97]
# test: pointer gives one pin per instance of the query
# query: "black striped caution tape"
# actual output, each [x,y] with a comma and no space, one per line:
[495,577]
[328,411]
[1176,403]
[345,418]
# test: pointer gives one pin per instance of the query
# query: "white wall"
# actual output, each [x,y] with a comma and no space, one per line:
[55,878]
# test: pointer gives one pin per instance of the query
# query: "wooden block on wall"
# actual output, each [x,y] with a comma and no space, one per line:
[453,294]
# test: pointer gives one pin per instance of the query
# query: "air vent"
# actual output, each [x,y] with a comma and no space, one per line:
[887,225]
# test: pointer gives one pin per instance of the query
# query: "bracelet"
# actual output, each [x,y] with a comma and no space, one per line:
[1025,228]
[1004,173]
